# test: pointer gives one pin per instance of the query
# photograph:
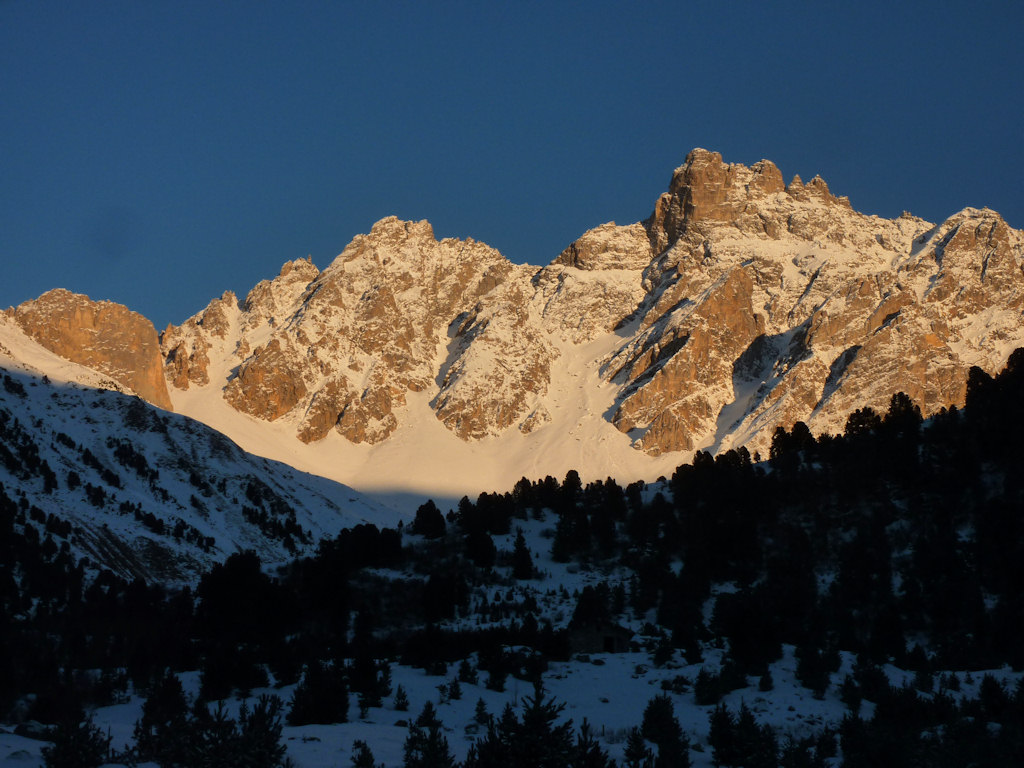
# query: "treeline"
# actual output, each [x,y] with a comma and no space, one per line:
[899,541]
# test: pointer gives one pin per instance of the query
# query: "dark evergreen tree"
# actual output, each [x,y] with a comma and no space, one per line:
[661,727]
[706,688]
[77,745]
[321,696]
[722,736]
[162,733]
[214,737]
[429,522]
[259,735]
[401,702]
[535,741]
[480,714]
[637,753]
[522,561]
[480,548]
[426,745]
[362,756]
[587,751]
[541,740]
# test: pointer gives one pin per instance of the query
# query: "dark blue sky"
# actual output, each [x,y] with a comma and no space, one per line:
[158,153]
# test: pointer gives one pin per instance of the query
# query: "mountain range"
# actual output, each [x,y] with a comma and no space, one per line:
[413,367]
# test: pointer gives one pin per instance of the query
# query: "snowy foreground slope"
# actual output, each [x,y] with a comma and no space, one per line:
[610,691]
[147,492]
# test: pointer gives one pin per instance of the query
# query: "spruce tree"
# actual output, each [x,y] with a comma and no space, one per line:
[722,736]
[637,754]
[467,674]
[161,734]
[426,745]
[587,752]
[480,714]
[77,745]
[401,702]
[259,735]
[540,741]
[522,561]
[661,727]
[362,757]
[321,697]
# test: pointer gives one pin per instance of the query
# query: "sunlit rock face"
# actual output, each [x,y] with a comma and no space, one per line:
[741,304]
[101,335]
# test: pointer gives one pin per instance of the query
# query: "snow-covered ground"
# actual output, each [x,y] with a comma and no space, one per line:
[610,691]
[417,461]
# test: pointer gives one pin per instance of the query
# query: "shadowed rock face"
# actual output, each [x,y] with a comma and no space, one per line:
[741,304]
[102,335]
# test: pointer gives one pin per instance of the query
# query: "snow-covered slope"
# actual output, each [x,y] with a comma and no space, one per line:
[608,690]
[144,491]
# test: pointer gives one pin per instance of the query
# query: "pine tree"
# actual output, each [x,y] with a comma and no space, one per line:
[383,683]
[467,674]
[706,688]
[637,754]
[522,561]
[362,757]
[321,697]
[767,754]
[429,522]
[661,727]
[214,737]
[480,714]
[426,746]
[747,736]
[722,736]
[259,735]
[587,752]
[401,703]
[536,741]
[161,734]
[77,745]
[454,690]
[540,742]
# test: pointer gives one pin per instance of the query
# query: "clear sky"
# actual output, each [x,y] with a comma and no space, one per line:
[158,153]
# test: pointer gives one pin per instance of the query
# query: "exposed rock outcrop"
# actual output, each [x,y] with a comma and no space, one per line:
[101,335]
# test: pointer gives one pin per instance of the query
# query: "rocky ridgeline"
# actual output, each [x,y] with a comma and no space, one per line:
[741,304]
[769,304]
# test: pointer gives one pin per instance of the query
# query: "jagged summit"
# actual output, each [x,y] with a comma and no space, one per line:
[740,304]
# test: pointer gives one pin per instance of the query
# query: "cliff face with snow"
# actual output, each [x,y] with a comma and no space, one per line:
[741,304]
[100,335]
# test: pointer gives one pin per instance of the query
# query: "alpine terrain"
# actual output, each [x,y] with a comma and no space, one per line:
[184,581]
[741,304]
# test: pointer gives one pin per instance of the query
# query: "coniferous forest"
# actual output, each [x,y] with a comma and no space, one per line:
[899,543]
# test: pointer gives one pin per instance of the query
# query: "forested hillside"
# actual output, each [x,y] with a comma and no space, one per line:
[885,563]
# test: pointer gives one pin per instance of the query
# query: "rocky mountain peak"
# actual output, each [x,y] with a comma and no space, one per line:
[705,191]
[740,305]
[101,335]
